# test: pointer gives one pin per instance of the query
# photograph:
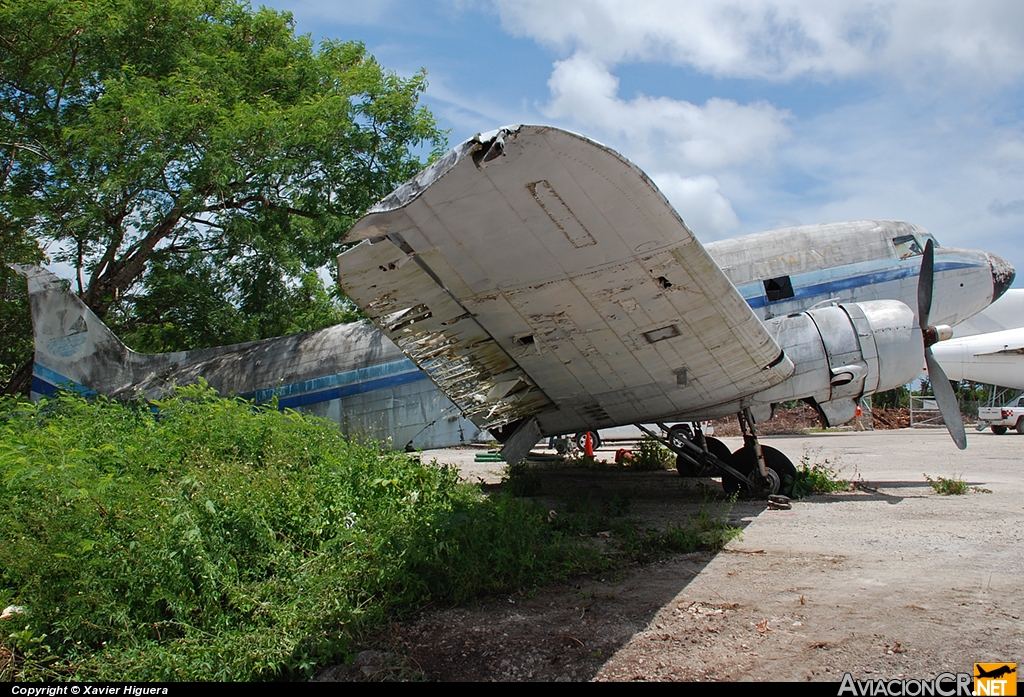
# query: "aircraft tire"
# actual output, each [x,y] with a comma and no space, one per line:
[744,460]
[684,467]
[580,439]
[998,430]
[718,449]
[678,433]
[715,447]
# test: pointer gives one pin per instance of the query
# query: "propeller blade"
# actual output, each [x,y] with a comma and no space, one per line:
[925,284]
[946,399]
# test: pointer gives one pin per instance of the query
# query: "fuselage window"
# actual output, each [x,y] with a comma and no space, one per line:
[778,288]
[906,247]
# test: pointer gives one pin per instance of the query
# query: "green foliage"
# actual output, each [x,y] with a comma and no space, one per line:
[819,477]
[172,151]
[577,458]
[522,480]
[208,539]
[898,397]
[707,530]
[629,541]
[15,315]
[948,486]
[651,455]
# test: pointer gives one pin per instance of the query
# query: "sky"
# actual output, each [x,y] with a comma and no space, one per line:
[748,115]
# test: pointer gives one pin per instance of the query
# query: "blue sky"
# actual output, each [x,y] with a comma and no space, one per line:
[748,115]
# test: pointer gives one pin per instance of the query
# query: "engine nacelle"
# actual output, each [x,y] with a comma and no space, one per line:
[843,352]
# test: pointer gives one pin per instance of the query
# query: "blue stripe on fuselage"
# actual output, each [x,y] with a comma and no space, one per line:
[46,382]
[341,385]
[373,372]
[349,389]
[823,283]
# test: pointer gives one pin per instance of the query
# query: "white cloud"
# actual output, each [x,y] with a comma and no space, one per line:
[783,39]
[947,170]
[699,203]
[662,131]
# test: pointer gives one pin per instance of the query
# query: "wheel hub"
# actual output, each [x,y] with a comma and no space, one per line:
[772,483]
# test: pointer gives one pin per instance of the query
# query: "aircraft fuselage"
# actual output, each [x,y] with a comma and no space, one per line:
[382,394]
[793,269]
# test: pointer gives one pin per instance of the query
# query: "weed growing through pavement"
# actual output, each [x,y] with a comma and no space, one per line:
[816,475]
[954,486]
[626,539]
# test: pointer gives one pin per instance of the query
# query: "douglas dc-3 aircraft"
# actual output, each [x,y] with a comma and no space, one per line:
[546,286]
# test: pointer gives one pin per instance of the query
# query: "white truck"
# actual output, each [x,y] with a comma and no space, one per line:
[1000,419]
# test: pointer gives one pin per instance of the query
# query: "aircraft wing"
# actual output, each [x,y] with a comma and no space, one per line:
[1014,345]
[533,272]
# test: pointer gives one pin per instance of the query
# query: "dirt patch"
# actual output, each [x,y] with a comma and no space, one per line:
[887,581]
[785,421]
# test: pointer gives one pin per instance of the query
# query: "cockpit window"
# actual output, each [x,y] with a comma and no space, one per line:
[906,247]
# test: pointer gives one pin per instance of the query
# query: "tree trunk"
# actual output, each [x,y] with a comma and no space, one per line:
[20,382]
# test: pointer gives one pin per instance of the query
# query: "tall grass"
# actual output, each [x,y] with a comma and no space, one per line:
[206,539]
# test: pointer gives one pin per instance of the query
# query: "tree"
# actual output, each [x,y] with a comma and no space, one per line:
[195,152]
[15,321]
[896,398]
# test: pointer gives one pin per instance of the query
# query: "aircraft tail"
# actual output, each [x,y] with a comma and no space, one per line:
[73,347]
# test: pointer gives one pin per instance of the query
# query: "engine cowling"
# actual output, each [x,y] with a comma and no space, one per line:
[844,352]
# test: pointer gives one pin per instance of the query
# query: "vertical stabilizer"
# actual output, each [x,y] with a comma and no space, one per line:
[73,347]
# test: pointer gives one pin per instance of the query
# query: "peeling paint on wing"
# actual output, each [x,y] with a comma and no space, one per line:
[560,214]
[441,337]
[536,256]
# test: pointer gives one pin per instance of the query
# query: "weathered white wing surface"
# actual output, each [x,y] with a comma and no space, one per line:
[995,358]
[531,271]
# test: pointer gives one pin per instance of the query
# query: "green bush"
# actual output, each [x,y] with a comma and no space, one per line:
[203,538]
[651,455]
[523,480]
[206,539]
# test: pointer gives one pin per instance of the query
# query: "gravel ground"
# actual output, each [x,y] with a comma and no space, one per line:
[889,580]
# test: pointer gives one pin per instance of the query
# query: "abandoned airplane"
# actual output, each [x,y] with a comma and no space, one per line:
[544,284]
[351,374]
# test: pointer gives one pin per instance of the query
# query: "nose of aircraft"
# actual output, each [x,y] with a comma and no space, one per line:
[1003,274]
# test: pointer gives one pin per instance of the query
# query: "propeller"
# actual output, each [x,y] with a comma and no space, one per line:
[948,405]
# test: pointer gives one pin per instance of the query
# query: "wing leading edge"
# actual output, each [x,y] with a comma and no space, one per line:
[533,272]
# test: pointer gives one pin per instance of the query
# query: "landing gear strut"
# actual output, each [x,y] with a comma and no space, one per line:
[754,469]
[766,468]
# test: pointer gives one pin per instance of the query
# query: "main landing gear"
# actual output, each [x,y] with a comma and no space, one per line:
[755,470]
